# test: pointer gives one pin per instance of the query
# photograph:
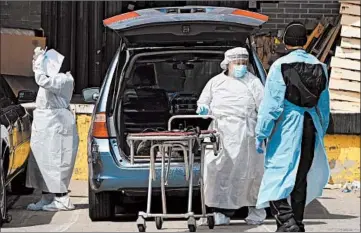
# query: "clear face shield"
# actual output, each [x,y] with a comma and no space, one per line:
[238,62]
[237,67]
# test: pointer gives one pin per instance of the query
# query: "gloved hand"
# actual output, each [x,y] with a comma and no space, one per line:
[38,57]
[38,52]
[259,148]
[202,110]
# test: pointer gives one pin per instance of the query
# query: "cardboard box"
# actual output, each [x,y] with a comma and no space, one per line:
[17,53]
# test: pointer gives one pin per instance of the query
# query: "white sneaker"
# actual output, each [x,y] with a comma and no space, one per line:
[221,219]
[59,204]
[46,199]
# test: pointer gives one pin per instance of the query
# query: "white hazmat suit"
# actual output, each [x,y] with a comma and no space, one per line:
[233,178]
[54,139]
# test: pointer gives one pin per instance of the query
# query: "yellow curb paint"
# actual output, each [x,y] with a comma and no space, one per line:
[343,153]
[81,163]
[344,157]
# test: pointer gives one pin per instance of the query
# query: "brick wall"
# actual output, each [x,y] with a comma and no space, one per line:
[283,12]
[20,14]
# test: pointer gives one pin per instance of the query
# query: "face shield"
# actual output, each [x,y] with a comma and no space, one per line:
[239,61]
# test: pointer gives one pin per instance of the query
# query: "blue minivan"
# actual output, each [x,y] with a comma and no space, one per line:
[165,58]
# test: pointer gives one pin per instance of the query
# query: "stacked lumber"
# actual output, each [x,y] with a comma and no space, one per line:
[322,40]
[345,65]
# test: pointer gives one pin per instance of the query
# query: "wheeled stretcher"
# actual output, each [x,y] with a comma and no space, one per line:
[167,142]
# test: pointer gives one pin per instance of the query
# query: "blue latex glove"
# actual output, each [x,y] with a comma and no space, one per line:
[203,111]
[259,148]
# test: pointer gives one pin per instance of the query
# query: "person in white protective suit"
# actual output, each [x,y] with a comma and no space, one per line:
[54,139]
[233,178]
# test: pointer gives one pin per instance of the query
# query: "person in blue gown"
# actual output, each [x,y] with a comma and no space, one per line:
[293,118]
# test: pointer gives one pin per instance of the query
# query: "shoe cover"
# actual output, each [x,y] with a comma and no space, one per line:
[221,219]
[255,216]
[46,199]
[202,222]
[60,204]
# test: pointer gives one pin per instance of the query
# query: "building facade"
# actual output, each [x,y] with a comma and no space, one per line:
[76,29]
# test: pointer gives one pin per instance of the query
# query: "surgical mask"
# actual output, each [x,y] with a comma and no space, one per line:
[239,71]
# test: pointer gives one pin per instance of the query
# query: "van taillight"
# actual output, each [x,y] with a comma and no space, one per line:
[100,129]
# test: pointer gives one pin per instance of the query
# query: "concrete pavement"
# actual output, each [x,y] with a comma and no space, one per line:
[334,212]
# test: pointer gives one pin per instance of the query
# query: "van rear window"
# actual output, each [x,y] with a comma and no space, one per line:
[188,73]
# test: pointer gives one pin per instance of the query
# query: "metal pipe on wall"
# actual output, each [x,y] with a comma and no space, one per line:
[64,39]
[53,27]
[96,29]
[82,50]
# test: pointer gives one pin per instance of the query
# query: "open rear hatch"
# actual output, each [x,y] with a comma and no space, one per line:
[190,25]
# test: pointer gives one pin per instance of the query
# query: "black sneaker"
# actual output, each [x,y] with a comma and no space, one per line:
[302,227]
[288,226]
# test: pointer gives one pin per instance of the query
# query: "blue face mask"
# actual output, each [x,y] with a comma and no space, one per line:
[239,71]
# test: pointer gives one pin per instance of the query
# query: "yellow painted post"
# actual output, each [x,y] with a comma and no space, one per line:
[81,163]
[344,157]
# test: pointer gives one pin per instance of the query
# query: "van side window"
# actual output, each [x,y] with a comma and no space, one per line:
[7,97]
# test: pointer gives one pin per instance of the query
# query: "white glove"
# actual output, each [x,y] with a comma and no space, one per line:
[38,58]
[37,52]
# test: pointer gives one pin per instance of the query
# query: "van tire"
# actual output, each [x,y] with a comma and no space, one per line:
[101,206]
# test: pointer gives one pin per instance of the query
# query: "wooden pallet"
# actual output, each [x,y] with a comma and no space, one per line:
[344,85]
[350,32]
[316,33]
[353,54]
[345,106]
[345,74]
[350,9]
[316,47]
[357,2]
[345,63]
[338,73]
[345,96]
[350,20]
[326,49]
[352,43]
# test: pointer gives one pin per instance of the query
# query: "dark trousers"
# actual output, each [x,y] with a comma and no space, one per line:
[281,209]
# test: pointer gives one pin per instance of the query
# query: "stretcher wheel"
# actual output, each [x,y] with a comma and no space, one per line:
[192,226]
[141,224]
[141,228]
[158,222]
[210,221]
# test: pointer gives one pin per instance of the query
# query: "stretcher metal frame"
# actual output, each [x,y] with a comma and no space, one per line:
[166,142]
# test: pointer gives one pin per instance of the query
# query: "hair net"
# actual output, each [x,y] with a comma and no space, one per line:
[232,55]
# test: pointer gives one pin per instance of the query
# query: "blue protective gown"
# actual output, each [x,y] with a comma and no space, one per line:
[281,122]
